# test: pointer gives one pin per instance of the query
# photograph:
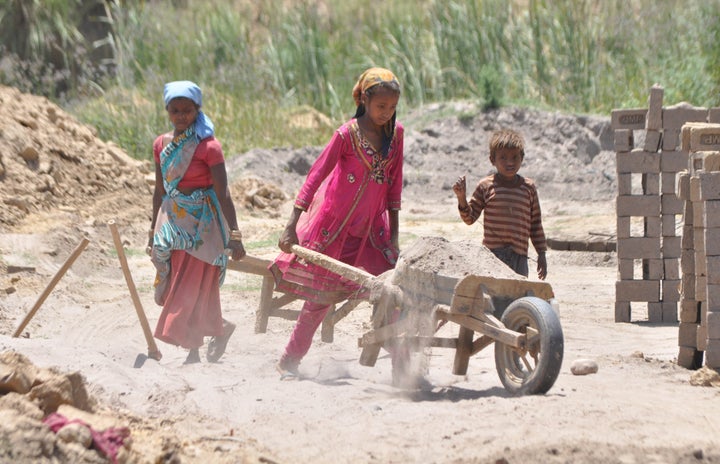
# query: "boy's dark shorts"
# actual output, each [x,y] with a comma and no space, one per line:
[517,262]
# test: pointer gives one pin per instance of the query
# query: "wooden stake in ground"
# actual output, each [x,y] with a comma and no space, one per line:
[153,351]
[51,285]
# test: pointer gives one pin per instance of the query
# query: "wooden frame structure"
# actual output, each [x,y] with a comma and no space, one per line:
[273,303]
[464,301]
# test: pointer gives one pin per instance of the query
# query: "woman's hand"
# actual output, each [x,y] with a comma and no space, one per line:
[288,239]
[148,249]
[237,249]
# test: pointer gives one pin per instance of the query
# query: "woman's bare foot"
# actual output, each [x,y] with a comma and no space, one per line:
[193,356]
[217,345]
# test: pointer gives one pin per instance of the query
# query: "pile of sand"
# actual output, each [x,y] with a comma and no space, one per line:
[51,161]
[437,255]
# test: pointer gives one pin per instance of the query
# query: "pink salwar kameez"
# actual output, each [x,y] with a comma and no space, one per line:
[347,195]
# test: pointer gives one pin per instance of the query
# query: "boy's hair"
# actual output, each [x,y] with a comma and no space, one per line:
[506,138]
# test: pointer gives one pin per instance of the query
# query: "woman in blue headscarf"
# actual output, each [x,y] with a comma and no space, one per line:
[193,223]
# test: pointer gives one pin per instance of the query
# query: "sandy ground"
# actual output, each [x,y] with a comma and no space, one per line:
[59,183]
[639,407]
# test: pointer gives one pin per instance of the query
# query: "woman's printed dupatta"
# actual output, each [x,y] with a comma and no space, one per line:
[193,223]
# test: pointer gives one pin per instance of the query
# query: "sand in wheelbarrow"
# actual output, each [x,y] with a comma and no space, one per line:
[430,267]
[437,255]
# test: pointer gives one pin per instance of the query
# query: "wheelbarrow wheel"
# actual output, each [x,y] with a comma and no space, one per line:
[534,368]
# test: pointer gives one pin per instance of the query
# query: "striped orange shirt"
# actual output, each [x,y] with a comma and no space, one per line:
[511,214]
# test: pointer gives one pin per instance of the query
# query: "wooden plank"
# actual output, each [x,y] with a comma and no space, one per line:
[344,310]
[282,300]
[289,314]
[469,297]
[480,344]
[328,326]
[385,333]
[251,265]
[443,288]
[500,334]
[352,273]
[463,351]
[56,278]
[418,343]
[13,269]
[508,288]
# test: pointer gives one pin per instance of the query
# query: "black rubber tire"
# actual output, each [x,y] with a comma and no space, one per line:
[543,354]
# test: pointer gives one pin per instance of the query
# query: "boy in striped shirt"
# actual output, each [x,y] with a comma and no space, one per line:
[510,204]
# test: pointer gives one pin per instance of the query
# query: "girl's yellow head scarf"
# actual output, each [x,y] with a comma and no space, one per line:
[370,78]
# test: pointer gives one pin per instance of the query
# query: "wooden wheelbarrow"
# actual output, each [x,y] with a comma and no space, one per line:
[274,303]
[411,304]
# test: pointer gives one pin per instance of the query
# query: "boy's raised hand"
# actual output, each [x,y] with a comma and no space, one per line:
[460,188]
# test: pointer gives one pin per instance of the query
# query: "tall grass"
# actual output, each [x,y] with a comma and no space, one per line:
[260,63]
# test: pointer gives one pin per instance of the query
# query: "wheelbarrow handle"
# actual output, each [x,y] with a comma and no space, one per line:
[352,273]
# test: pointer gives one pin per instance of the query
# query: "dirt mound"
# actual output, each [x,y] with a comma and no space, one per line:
[52,162]
[35,407]
[439,148]
[49,416]
[570,157]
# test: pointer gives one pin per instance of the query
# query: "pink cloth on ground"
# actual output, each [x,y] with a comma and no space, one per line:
[108,441]
[192,306]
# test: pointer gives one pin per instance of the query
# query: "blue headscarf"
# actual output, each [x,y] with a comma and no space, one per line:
[203,125]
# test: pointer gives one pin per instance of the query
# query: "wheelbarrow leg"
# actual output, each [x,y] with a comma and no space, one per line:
[328,326]
[263,312]
[371,351]
[463,351]
[369,354]
[384,308]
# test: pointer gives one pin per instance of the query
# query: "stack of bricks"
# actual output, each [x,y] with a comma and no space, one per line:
[699,187]
[648,209]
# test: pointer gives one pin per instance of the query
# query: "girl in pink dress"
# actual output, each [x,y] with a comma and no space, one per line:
[346,209]
[193,223]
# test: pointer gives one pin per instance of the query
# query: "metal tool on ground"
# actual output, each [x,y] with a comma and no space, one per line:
[153,351]
[58,275]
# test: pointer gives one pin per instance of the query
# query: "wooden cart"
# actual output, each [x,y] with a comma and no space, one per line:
[274,303]
[410,305]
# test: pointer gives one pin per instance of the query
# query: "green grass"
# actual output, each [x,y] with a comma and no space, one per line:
[260,62]
[261,244]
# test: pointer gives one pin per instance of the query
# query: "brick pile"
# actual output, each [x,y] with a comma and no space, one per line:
[648,157]
[699,187]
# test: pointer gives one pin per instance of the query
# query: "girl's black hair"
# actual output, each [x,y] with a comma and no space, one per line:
[390,127]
